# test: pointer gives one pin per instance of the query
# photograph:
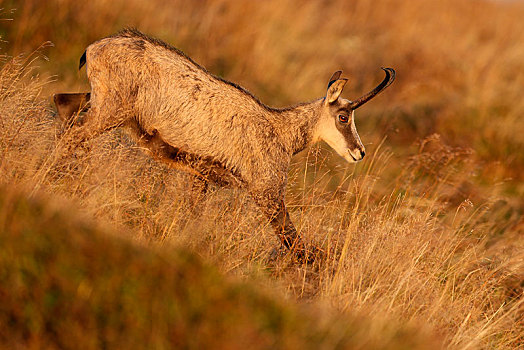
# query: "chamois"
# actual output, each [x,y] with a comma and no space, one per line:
[213,128]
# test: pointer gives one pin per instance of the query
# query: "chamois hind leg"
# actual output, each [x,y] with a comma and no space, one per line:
[103,115]
[78,135]
[70,105]
[161,151]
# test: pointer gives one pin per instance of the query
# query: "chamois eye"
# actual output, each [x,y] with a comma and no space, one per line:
[343,118]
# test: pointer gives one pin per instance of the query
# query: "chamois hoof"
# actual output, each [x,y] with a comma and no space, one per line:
[308,255]
[275,254]
[300,255]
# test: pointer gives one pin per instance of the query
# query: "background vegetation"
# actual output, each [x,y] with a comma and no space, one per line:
[426,233]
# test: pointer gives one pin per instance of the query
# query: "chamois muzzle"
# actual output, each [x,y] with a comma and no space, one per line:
[390,76]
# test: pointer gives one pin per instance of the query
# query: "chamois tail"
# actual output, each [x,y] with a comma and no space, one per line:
[82,61]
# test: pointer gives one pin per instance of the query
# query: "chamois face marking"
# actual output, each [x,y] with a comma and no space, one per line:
[336,125]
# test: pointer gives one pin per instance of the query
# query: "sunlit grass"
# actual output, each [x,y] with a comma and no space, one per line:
[425,233]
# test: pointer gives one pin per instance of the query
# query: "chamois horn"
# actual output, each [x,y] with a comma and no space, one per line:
[390,76]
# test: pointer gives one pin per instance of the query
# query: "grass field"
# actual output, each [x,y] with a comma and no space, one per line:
[424,239]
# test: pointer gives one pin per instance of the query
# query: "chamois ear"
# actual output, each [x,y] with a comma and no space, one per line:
[334,77]
[335,89]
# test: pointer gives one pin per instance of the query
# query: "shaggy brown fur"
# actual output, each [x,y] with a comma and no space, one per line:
[190,118]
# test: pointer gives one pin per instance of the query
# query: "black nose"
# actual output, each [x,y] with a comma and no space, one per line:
[362,153]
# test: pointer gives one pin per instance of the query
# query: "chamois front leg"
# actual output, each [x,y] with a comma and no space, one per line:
[275,210]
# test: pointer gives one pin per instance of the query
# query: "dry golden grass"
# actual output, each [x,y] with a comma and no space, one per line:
[66,283]
[426,232]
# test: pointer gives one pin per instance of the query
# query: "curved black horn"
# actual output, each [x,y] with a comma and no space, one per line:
[390,76]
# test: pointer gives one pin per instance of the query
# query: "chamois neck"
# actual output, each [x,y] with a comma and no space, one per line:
[296,124]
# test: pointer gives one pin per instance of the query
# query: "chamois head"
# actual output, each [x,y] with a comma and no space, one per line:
[337,118]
